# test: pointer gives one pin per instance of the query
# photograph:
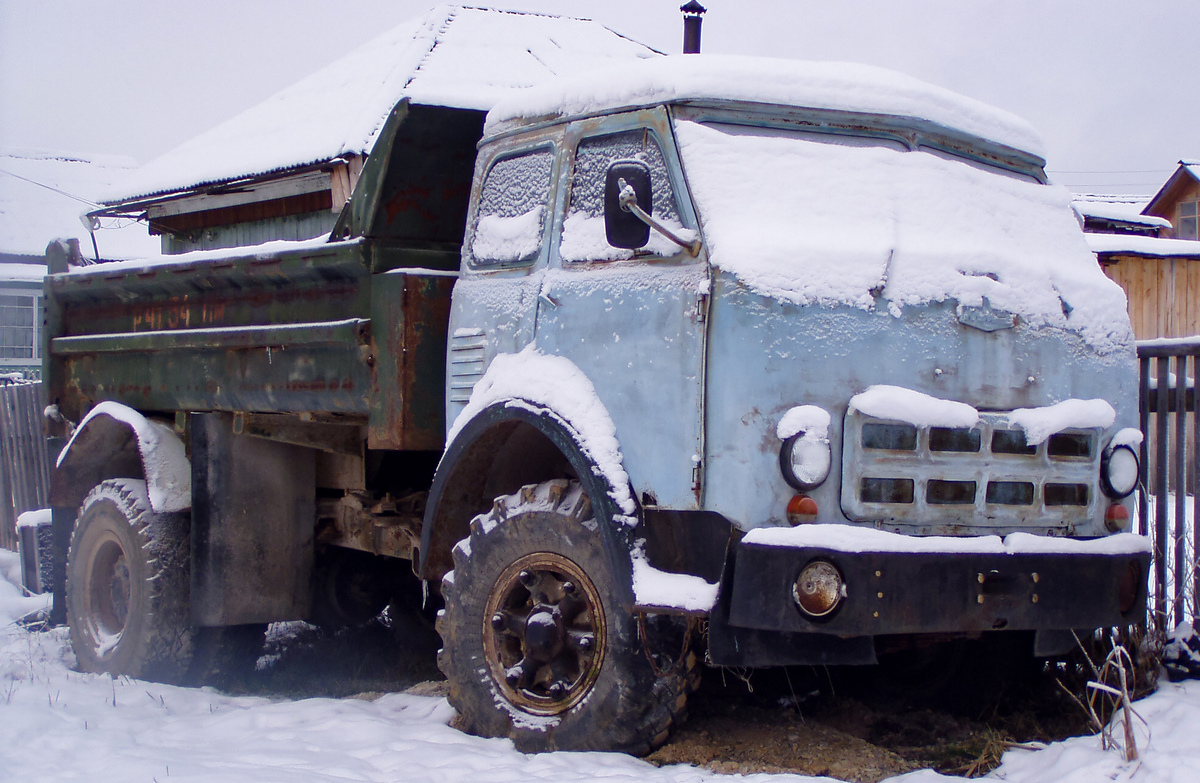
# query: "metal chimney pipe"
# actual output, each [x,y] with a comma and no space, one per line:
[692,19]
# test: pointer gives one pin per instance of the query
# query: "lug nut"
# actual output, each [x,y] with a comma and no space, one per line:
[498,621]
[585,643]
[527,578]
[568,588]
[513,676]
[557,689]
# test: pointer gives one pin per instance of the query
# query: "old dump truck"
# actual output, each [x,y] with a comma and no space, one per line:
[756,363]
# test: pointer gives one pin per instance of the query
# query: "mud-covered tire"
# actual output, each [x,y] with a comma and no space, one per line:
[128,586]
[567,694]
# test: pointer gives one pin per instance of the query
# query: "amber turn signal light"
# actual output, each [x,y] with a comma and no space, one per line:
[801,508]
[1116,518]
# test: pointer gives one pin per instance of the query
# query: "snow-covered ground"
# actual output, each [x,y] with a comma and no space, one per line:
[59,725]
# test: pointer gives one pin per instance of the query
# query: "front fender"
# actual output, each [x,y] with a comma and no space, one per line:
[501,448]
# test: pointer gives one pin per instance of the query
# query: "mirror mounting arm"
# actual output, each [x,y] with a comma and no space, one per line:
[628,199]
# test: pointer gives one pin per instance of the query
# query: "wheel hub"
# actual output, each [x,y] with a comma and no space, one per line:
[544,633]
[110,589]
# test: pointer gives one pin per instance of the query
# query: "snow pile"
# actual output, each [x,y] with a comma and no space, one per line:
[921,410]
[540,382]
[1125,209]
[663,590]
[1041,423]
[1181,656]
[452,56]
[15,603]
[836,222]
[168,472]
[819,85]
[42,195]
[1155,247]
[585,238]
[26,273]
[856,540]
[507,239]
[809,419]
[266,250]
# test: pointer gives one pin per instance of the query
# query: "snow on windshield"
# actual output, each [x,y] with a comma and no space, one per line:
[838,221]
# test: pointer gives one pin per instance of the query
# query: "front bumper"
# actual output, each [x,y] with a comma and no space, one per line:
[898,584]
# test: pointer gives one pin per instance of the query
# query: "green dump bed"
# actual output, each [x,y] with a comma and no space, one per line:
[314,330]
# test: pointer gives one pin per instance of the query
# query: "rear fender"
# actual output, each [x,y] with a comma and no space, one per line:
[115,441]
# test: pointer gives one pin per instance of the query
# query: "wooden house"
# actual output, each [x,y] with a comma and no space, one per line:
[1150,248]
[42,195]
[1179,201]
[285,168]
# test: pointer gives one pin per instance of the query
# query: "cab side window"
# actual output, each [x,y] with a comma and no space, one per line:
[583,237]
[512,210]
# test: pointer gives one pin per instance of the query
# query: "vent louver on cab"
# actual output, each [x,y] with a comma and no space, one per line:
[466,363]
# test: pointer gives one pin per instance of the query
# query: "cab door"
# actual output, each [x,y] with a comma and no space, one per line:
[632,320]
[504,259]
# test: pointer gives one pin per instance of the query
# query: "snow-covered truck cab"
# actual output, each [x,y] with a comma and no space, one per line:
[859,372]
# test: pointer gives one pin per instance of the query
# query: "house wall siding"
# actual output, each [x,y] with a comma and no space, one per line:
[1163,294]
[305,226]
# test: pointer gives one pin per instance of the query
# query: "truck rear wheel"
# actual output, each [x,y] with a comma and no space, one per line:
[535,644]
[127,585]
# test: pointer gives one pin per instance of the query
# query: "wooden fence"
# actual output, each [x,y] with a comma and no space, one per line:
[1167,499]
[24,463]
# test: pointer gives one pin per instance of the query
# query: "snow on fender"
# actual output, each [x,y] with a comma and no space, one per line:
[164,459]
[558,385]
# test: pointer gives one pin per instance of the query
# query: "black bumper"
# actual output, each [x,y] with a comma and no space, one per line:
[938,592]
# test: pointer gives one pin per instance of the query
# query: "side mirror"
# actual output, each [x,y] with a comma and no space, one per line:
[622,227]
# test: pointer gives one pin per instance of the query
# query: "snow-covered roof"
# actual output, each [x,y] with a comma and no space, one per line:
[820,85]
[1125,244]
[42,195]
[452,56]
[1126,209]
[1188,167]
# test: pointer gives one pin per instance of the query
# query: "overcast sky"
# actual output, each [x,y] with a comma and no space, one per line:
[1112,84]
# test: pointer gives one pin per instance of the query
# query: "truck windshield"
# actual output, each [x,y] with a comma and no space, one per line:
[843,221]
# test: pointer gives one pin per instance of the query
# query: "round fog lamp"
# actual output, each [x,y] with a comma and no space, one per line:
[1119,470]
[818,589]
[804,461]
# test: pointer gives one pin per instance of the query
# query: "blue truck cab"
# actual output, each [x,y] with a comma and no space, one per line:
[811,352]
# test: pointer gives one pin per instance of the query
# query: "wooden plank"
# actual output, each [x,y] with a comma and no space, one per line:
[1152,295]
[1180,290]
[1193,296]
[1137,303]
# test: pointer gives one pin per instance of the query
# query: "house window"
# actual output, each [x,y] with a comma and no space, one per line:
[18,328]
[1189,220]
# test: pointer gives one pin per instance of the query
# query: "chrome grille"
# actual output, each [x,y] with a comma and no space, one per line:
[945,478]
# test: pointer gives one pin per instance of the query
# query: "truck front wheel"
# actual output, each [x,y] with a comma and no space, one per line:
[535,644]
[127,585]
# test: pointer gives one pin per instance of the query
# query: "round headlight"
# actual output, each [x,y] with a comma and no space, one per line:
[1119,472]
[804,461]
[819,589]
